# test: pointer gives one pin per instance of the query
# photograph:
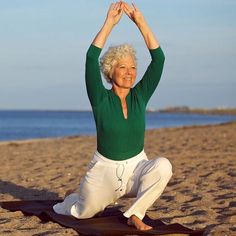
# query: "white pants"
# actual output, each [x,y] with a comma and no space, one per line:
[107,180]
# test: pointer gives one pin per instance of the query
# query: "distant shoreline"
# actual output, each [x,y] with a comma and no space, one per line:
[177,109]
[213,111]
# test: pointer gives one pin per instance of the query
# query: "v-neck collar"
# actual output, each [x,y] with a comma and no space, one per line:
[127,104]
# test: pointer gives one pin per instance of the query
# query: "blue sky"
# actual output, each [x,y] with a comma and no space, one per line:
[43,45]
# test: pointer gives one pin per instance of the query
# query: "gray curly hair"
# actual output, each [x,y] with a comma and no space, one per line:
[112,56]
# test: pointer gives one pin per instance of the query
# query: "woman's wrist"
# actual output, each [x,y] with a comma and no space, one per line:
[109,23]
[107,27]
[142,25]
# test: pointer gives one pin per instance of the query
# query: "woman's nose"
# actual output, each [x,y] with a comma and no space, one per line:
[128,71]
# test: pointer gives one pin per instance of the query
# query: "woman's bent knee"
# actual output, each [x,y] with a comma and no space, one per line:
[164,166]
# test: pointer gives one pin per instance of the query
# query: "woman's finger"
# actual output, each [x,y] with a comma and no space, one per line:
[117,6]
[128,9]
[120,9]
[135,7]
[127,12]
[127,6]
[111,7]
[120,6]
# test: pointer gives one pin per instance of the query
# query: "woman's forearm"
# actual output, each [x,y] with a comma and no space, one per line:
[148,35]
[103,34]
[113,17]
[137,17]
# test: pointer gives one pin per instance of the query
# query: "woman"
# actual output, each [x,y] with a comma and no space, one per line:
[120,167]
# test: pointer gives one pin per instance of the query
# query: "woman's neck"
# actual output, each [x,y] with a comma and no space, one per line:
[121,92]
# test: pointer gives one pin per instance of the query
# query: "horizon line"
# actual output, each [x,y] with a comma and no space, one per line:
[168,108]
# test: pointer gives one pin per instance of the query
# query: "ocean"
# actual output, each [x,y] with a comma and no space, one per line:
[20,125]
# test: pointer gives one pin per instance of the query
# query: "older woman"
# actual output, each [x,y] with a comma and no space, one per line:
[120,167]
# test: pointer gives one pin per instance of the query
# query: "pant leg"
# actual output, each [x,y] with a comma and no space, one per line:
[97,191]
[149,181]
[64,207]
[93,197]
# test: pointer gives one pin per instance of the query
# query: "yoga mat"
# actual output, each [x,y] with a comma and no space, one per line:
[109,223]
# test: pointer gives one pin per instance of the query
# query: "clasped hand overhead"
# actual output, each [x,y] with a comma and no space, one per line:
[117,9]
[114,15]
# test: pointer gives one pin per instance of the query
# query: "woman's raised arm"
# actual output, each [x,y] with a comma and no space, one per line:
[113,17]
[136,16]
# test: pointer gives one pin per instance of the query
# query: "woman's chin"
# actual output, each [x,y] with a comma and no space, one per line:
[128,84]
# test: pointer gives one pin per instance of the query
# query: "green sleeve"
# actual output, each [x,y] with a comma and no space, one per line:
[95,89]
[147,85]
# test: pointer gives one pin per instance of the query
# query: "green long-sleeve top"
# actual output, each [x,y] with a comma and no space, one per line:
[119,138]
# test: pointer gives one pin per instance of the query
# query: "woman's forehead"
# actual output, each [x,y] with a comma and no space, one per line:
[127,59]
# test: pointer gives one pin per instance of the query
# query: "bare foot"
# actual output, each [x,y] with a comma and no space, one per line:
[139,224]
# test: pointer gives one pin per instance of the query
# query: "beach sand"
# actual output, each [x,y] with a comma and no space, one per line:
[202,191]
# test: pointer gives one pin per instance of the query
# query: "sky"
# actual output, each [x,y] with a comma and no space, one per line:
[43,44]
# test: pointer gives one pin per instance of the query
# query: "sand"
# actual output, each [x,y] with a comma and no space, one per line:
[202,191]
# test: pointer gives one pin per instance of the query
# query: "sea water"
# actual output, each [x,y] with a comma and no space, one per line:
[18,125]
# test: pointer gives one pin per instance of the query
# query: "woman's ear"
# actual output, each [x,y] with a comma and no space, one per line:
[111,73]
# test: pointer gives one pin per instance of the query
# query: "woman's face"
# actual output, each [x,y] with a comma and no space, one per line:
[124,72]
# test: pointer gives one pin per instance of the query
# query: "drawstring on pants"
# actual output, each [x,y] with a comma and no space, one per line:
[119,177]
